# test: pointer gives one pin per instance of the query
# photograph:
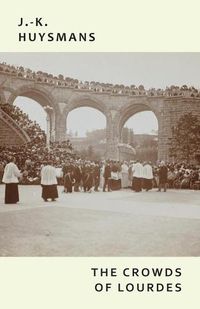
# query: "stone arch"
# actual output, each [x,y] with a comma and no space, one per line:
[36,93]
[42,97]
[86,101]
[76,100]
[131,109]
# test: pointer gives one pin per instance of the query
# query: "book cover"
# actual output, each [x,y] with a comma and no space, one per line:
[99,154]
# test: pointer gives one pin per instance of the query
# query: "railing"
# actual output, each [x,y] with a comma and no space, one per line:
[12,124]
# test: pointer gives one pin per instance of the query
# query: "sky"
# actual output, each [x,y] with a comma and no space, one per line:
[156,70]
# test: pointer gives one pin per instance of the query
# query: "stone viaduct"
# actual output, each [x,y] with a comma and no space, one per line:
[117,108]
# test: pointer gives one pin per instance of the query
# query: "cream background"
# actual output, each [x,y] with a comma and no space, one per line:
[128,26]
[68,283]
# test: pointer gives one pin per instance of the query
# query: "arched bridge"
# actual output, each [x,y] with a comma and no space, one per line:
[118,104]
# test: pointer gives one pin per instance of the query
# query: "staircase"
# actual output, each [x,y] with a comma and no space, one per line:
[10,132]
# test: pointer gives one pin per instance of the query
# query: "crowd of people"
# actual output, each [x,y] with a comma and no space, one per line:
[61,81]
[30,157]
[183,176]
[78,175]
[114,175]
[32,128]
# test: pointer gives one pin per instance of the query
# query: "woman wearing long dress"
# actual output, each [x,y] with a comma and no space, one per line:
[10,178]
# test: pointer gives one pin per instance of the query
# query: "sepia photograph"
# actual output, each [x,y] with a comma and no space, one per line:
[99,154]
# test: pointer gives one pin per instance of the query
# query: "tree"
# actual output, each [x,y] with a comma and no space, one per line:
[185,140]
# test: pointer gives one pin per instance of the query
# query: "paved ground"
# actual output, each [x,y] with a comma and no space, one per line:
[121,223]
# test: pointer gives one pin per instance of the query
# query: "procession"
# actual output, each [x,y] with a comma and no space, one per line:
[106,176]
[78,176]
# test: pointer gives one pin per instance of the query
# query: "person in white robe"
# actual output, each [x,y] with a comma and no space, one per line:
[11,179]
[49,182]
[147,176]
[137,170]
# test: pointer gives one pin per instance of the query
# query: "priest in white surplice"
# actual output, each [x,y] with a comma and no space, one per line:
[49,182]
[147,176]
[10,178]
[137,169]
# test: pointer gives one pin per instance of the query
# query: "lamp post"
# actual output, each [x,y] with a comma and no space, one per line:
[48,109]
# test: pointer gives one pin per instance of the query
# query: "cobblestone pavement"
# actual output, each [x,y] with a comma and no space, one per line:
[120,223]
